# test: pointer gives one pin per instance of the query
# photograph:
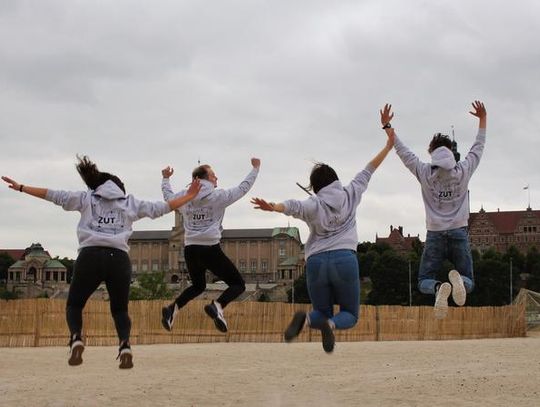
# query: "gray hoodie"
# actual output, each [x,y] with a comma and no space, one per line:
[444,182]
[331,214]
[204,214]
[107,214]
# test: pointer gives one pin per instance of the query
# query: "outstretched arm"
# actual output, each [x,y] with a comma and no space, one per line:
[386,117]
[475,153]
[232,195]
[411,161]
[267,206]
[166,189]
[34,191]
[191,193]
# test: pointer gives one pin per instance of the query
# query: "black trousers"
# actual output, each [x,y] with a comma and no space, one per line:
[201,258]
[93,266]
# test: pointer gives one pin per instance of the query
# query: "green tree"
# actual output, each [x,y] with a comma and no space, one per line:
[532,267]
[301,294]
[390,279]
[150,286]
[5,262]
[5,294]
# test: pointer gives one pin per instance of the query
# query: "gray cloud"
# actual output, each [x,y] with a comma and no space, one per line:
[140,85]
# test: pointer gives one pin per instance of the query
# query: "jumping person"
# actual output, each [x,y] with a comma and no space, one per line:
[444,184]
[107,215]
[202,223]
[332,270]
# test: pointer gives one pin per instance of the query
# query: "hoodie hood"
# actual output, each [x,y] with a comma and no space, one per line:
[443,157]
[333,195]
[109,190]
[206,189]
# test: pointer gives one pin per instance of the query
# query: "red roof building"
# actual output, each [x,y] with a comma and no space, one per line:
[397,241]
[502,229]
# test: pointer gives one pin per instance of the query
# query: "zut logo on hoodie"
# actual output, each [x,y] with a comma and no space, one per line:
[109,222]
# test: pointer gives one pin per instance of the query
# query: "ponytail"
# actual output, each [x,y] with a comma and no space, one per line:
[92,177]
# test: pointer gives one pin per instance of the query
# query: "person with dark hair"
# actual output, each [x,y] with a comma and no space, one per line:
[444,184]
[107,215]
[202,219]
[332,270]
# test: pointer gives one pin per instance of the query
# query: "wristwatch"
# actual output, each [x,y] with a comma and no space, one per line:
[387,126]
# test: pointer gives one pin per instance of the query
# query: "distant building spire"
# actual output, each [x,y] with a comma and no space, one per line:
[457,155]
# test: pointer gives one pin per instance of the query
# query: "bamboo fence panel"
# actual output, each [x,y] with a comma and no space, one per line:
[41,322]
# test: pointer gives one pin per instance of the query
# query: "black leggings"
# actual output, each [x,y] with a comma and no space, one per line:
[201,258]
[93,266]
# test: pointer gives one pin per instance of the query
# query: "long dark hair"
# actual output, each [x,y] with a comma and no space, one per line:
[321,176]
[92,177]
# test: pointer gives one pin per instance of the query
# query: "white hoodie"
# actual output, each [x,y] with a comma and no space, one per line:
[331,214]
[444,182]
[107,214]
[204,214]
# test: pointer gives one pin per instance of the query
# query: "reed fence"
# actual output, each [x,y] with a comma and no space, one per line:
[41,322]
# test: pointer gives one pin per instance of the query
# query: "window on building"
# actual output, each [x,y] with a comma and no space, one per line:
[253,266]
[155,266]
[55,275]
[144,267]
[11,275]
[18,276]
[134,267]
[242,265]
[264,265]
[47,276]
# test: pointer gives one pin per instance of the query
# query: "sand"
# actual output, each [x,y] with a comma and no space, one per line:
[486,372]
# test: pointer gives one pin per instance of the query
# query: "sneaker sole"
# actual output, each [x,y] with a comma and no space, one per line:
[295,327]
[441,302]
[459,294]
[328,338]
[76,355]
[164,319]
[126,361]
[211,312]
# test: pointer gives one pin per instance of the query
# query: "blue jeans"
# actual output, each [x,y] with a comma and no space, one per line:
[450,244]
[333,278]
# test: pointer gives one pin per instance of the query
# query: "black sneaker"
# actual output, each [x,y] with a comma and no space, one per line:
[168,314]
[214,311]
[125,355]
[295,327]
[76,349]
[328,339]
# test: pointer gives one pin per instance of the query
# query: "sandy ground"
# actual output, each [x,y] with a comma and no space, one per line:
[487,372]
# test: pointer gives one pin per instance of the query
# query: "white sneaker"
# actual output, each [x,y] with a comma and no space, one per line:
[441,300]
[214,311]
[459,294]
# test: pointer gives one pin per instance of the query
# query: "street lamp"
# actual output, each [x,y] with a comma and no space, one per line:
[510,280]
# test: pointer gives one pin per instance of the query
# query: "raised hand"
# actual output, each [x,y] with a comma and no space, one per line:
[12,183]
[262,204]
[479,109]
[167,172]
[194,188]
[256,162]
[386,114]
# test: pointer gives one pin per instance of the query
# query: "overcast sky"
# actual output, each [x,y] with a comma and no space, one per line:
[138,85]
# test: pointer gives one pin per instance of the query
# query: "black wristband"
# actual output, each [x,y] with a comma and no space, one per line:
[386,126]
[21,187]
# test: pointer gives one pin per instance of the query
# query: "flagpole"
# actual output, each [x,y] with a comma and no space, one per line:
[527,187]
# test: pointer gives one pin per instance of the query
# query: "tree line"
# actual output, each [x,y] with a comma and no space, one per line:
[390,278]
